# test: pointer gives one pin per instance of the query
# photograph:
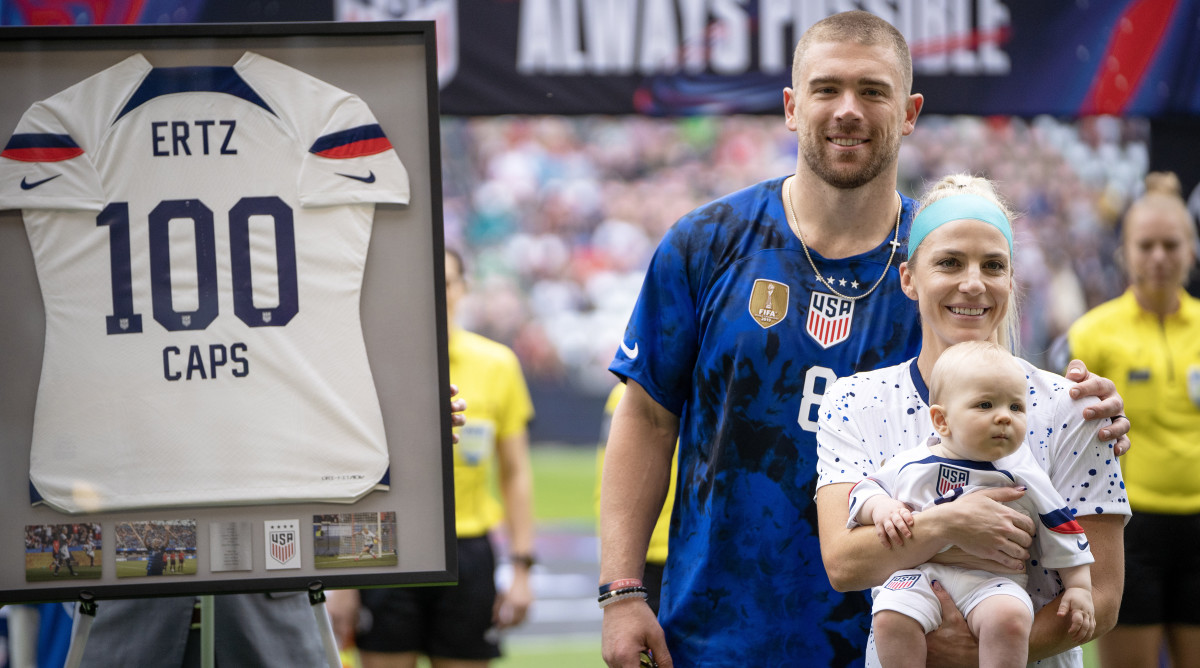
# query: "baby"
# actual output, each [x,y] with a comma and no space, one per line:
[977,403]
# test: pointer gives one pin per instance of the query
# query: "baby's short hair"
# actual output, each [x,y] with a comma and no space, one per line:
[965,355]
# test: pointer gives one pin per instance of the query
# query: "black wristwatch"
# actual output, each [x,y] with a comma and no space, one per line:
[526,560]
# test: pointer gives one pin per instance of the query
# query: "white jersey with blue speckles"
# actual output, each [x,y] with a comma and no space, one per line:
[922,479]
[200,235]
[868,418]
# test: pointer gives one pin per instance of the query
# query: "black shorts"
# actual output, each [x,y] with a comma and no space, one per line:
[449,622]
[652,578]
[1162,570]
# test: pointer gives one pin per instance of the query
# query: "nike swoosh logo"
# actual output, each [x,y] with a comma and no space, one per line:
[369,178]
[631,353]
[1082,544]
[26,185]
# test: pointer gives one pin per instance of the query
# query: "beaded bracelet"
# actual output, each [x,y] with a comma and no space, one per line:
[620,584]
[622,594]
[624,590]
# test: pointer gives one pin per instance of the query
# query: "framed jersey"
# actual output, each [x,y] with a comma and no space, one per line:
[222,257]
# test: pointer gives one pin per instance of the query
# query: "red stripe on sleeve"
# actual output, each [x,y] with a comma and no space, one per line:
[51,154]
[358,149]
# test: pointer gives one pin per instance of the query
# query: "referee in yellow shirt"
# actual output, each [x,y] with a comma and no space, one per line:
[1148,341]
[454,626]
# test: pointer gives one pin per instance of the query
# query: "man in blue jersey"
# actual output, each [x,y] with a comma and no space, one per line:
[156,557]
[752,306]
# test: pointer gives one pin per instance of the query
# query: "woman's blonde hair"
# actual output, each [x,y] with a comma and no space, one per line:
[1163,192]
[961,184]
[958,184]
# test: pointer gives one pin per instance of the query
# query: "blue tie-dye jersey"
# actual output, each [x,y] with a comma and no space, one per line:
[733,333]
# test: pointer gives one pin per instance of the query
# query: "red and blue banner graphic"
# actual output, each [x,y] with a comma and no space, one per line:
[97,12]
[130,12]
[688,57]
[685,57]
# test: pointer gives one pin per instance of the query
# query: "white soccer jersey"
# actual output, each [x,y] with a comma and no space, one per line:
[200,235]
[922,479]
[868,418]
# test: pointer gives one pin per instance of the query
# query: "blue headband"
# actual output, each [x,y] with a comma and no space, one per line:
[958,207]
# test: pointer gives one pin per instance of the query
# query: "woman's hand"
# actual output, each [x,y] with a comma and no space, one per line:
[982,526]
[1111,404]
[950,645]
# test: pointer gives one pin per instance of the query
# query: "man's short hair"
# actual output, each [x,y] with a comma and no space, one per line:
[859,27]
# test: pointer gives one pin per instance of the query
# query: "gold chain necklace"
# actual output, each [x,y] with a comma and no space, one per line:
[795,225]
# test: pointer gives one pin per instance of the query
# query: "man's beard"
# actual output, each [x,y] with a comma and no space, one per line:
[883,153]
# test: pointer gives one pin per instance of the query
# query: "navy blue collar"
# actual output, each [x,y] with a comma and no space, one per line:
[917,381]
[972,464]
[168,80]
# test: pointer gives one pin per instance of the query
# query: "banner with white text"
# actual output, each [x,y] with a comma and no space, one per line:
[683,57]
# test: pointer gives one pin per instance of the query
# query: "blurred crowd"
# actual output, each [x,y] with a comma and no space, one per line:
[559,215]
[40,538]
[137,536]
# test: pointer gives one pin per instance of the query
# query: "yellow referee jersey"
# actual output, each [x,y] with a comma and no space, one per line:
[657,554]
[1156,366]
[489,377]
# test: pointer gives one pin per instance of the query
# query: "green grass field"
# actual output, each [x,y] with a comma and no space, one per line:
[349,562]
[39,567]
[131,569]
[564,486]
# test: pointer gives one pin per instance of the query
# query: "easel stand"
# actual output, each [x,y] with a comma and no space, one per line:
[86,614]
[316,597]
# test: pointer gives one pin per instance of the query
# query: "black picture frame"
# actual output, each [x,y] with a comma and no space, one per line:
[392,67]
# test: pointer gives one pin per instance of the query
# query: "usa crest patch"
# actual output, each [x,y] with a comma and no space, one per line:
[283,544]
[829,318]
[899,582]
[951,478]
